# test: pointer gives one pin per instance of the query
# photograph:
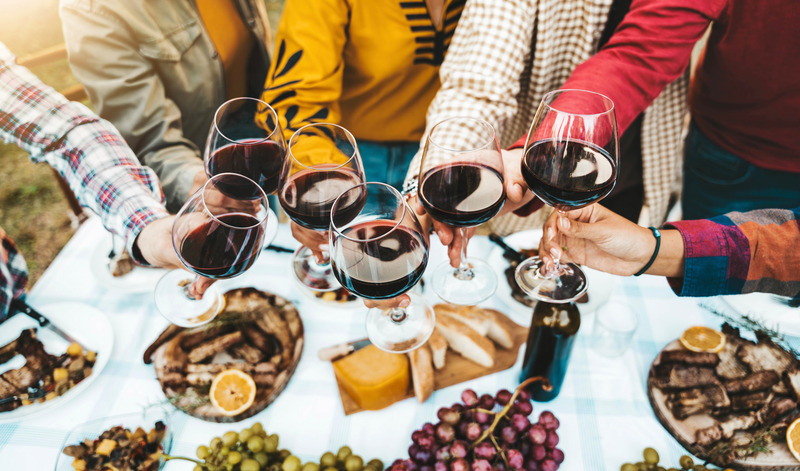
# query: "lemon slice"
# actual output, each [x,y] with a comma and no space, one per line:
[703,339]
[793,438]
[232,392]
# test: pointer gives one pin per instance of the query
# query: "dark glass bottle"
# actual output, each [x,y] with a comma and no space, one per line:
[550,341]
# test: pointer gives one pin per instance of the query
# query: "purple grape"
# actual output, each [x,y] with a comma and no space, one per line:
[484,450]
[532,465]
[520,422]
[486,402]
[443,453]
[405,465]
[525,447]
[524,396]
[449,416]
[485,427]
[469,397]
[515,459]
[458,407]
[461,431]
[440,466]
[538,434]
[509,435]
[556,455]
[473,431]
[412,450]
[499,466]
[445,433]
[503,396]
[549,420]
[425,441]
[482,417]
[524,407]
[421,456]
[441,412]
[415,435]
[427,427]
[482,465]
[459,448]
[397,462]
[552,439]
[459,464]
[426,467]
[548,465]
[538,452]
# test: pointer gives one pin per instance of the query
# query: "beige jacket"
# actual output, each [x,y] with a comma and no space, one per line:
[151,69]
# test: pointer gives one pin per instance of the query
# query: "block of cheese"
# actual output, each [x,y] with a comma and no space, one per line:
[373,378]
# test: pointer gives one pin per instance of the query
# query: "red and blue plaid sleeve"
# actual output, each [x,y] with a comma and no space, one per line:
[741,253]
[87,151]
[13,273]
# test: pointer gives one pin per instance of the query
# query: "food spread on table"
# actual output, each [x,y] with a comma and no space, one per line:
[43,376]
[339,295]
[119,449]
[728,399]
[258,334]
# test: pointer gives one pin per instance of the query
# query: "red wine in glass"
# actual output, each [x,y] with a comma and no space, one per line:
[389,262]
[308,195]
[223,248]
[462,194]
[567,173]
[259,160]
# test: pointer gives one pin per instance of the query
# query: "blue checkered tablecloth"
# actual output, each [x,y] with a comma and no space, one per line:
[605,416]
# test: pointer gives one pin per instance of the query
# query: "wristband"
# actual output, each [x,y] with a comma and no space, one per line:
[657,235]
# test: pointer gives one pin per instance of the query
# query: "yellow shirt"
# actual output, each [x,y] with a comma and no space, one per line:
[370,65]
[232,40]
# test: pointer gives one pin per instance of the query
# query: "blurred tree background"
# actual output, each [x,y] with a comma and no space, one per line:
[33,210]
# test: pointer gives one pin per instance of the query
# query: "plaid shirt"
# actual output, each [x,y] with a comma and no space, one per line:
[741,253]
[87,151]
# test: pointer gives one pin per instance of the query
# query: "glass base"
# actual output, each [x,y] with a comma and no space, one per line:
[173,302]
[403,329]
[562,284]
[311,274]
[466,288]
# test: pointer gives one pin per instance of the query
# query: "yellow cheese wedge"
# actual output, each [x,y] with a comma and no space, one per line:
[373,378]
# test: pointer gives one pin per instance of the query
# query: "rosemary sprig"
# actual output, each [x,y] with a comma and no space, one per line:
[727,451]
[753,324]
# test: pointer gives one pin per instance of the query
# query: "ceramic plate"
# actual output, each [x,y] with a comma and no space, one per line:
[138,280]
[88,325]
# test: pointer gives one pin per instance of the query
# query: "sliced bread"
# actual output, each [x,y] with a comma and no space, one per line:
[421,372]
[438,346]
[465,341]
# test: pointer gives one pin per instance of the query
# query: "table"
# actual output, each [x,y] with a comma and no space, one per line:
[605,416]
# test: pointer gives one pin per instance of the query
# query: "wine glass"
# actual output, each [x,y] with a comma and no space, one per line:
[461,185]
[236,143]
[570,161]
[379,251]
[218,234]
[322,162]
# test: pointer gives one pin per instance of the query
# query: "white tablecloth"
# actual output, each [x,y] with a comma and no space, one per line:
[605,416]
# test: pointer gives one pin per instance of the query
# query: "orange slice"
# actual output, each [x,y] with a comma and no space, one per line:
[793,438]
[232,392]
[702,339]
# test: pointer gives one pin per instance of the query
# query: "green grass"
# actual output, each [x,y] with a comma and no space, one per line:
[33,210]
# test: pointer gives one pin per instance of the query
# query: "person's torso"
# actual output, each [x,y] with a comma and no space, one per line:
[746,93]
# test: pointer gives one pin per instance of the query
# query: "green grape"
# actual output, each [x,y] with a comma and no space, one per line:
[255,444]
[291,463]
[234,457]
[230,438]
[245,435]
[628,467]
[257,427]
[343,453]
[328,459]
[283,454]
[353,463]
[271,444]
[223,452]
[250,465]
[203,452]
[641,466]
[310,467]
[369,467]
[216,443]
[650,456]
[686,462]
[378,464]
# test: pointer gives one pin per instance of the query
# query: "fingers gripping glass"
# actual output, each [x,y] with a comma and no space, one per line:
[379,251]
[323,161]
[218,234]
[246,138]
[461,185]
[570,161]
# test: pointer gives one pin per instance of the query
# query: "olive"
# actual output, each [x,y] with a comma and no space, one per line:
[686,462]
[245,435]
[250,465]
[216,443]
[310,467]
[291,463]
[234,457]
[650,456]
[230,438]
[378,464]
[223,452]
[328,459]
[262,458]
[197,467]
[343,453]
[257,427]
[255,444]
[698,467]
[628,467]
[271,444]
[353,463]
[203,452]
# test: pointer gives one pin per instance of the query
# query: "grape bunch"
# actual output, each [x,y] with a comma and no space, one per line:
[486,434]
[651,463]
[253,449]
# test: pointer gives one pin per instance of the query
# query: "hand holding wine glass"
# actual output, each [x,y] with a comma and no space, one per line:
[379,252]
[217,234]
[570,161]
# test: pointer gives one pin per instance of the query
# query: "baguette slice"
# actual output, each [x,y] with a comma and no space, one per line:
[497,329]
[472,316]
[438,346]
[466,341]
[421,372]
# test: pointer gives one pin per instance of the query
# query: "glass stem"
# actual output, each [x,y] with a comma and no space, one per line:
[187,287]
[398,315]
[464,272]
[326,259]
[559,241]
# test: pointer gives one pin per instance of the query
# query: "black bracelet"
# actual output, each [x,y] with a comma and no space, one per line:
[657,235]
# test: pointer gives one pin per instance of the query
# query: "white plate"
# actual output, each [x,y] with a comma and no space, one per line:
[89,326]
[600,284]
[138,280]
[768,308]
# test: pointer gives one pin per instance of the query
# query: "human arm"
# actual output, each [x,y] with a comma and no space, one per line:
[13,272]
[125,88]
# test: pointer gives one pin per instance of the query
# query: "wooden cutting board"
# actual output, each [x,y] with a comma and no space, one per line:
[779,457]
[458,369]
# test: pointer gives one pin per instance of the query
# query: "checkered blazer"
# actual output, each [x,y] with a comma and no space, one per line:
[506,54]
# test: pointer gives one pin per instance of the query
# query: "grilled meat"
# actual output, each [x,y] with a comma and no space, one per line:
[792,381]
[216,345]
[697,401]
[165,336]
[755,382]
[675,377]
[688,358]
[753,401]
[724,429]
[767,356]
[249,353]
[729,366]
